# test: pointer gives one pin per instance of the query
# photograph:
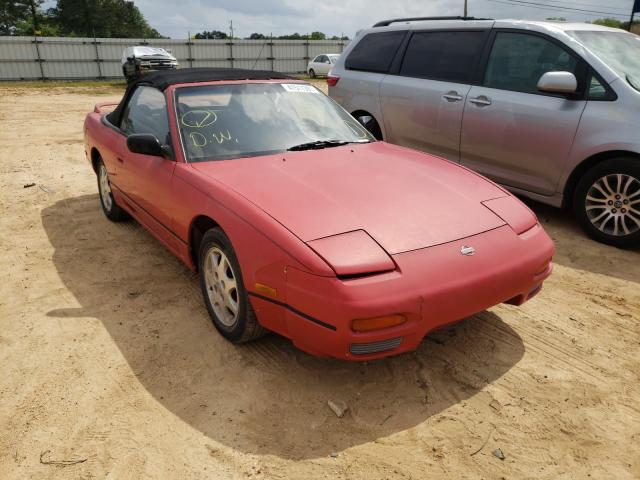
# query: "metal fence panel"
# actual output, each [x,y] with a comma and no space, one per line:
[71,58]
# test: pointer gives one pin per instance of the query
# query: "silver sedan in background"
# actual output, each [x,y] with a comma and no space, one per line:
[322,64]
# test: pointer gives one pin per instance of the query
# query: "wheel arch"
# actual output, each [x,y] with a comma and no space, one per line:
[199,226]
[584,166]
[95,158]
[361,112]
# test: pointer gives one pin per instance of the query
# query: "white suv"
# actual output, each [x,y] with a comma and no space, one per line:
[141,59]
[549,110]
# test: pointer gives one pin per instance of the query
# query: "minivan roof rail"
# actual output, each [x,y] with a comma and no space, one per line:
[386,23]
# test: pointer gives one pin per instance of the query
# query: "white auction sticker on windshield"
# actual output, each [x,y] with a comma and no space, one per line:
[299,88]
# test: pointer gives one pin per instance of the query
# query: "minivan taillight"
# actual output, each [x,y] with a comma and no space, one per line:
[332,80]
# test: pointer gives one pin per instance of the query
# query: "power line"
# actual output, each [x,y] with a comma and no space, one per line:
[556,8]
[538,4]
[626,9]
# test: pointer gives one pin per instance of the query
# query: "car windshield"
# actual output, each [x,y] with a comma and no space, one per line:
[219,122]
[621,51]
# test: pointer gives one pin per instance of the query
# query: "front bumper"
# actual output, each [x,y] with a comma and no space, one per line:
[432,288]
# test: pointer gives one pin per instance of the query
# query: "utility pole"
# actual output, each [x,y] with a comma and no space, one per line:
[634,9]
[465,8]
[231,28]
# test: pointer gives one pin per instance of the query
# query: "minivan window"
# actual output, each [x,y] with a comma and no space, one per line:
[375,52]
[518,60]
[446,56]
[619,50]
[597,91]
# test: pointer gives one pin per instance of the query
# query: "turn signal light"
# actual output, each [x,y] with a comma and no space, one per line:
[266,290]
[377,323]
[543,268]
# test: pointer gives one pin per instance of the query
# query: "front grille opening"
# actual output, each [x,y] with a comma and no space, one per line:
[375,347]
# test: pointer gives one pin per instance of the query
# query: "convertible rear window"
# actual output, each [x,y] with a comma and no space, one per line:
[218,122]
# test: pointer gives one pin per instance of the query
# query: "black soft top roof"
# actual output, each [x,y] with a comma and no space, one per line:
[163,79]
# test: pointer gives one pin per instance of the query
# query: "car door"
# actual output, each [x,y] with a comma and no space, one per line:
[313,65]
[324,65]
[513,133]
[147,180]
[422,104]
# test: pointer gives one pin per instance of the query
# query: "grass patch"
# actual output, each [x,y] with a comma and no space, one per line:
[72,86]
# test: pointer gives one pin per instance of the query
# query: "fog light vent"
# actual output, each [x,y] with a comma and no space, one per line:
[374,347]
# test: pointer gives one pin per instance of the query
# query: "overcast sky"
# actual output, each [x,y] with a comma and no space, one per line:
[333,17]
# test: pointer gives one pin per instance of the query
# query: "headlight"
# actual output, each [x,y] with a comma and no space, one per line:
[514,212]
[353,253]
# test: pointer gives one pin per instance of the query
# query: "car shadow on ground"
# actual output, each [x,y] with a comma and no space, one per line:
[266,397]
[575,250]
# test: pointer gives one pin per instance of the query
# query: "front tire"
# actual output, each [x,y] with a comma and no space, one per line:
[312,73]
[109,206]
[607,202]
[223,289]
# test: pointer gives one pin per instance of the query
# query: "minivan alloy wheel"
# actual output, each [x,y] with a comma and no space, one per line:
[221,285]
[613,204]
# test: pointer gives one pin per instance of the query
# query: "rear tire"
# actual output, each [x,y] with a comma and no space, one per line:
[370,123]
[223,289]
[109,206]
[606,202]
[312,73]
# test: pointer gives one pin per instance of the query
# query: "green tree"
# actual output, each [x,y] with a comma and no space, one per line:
[611,22]
[22,17]
[317,36]
[212,35]
[294,36]
[102,18]
[256,36]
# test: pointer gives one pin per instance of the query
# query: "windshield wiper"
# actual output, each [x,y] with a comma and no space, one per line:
[318,144]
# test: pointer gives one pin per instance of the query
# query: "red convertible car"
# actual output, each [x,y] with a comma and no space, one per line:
[298,222]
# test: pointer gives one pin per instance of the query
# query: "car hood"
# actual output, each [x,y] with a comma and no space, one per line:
[402,198]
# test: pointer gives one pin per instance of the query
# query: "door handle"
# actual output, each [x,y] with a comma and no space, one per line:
[452,96]
[481,100]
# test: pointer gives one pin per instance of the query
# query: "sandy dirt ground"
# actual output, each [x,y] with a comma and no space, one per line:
[110,367]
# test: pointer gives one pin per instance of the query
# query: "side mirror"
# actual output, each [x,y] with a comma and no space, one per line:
[148,144]
[558,82]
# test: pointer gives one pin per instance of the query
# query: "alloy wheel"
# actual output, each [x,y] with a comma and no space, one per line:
[222,287]
[105,189]
[613,204]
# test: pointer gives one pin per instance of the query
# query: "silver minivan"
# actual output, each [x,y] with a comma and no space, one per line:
[549,110]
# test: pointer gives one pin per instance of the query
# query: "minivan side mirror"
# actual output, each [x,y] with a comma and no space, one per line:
[148,144]
[558,82]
